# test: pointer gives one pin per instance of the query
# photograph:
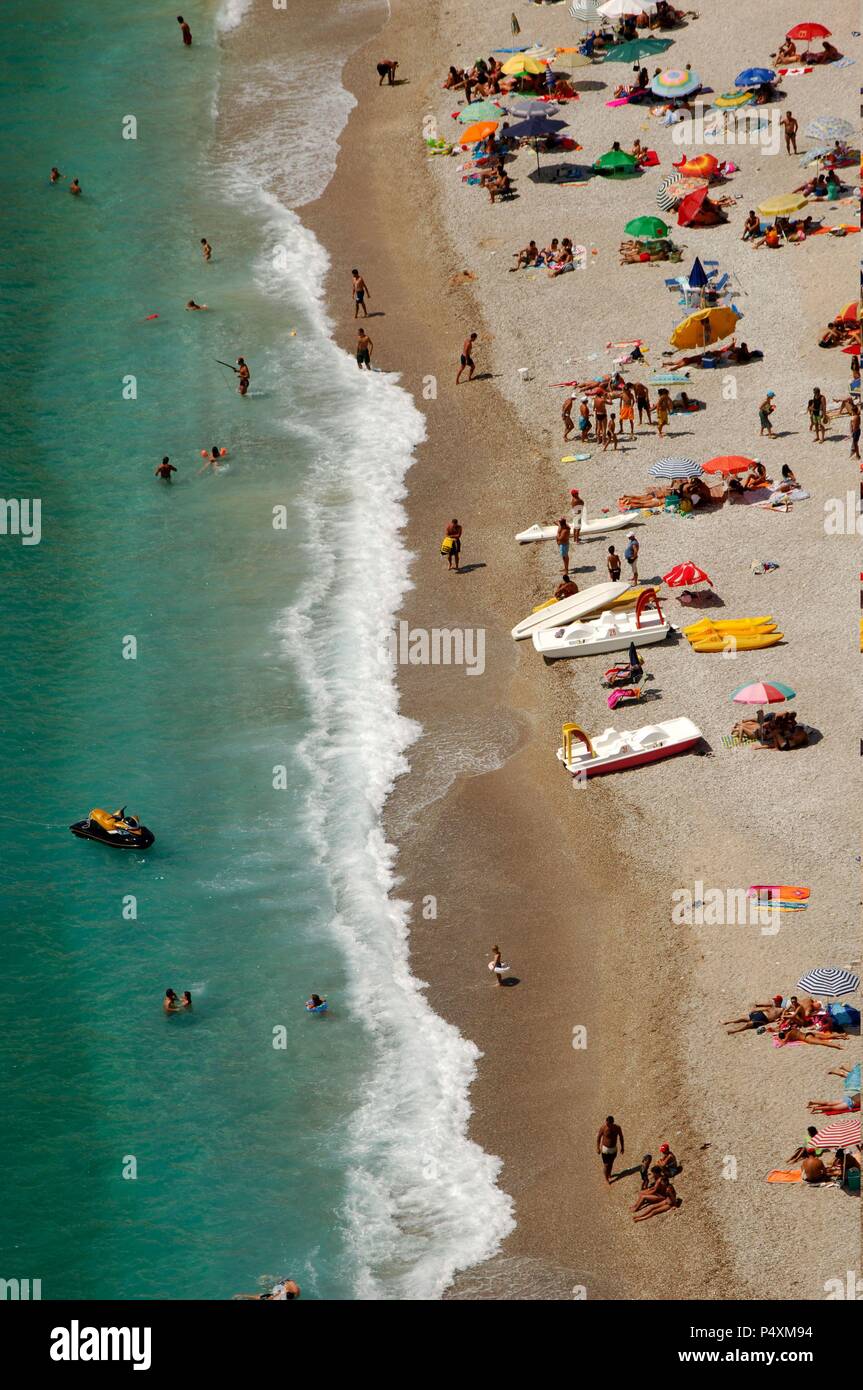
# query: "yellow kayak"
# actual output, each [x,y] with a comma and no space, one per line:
[741,642]
[728,624]
[707,632]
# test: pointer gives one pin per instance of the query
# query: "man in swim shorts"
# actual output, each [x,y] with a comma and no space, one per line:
[365,347]
[467,359]
[244,374]
[566,417]
[165,469]
[361,289]
[185,31]
[387,69]
[606,1145]
[454,532]
[562,538]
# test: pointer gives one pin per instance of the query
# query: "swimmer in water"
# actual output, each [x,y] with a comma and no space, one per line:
[213,459]
[206,249]
[75,187]
[315,1002]
[171,1003]
[165,469]
[185,31]
[55,175]
[186,1001]
[190,304]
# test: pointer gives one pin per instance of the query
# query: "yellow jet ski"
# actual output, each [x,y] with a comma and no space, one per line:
[114,828]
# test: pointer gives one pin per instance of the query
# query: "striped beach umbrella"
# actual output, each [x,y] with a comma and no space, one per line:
[618,9]
[826,129]
[829,979]
[763,693]
[812,155]
[674,468]
[728,101]
[675,82]
[586,11]
[683,576]
[667,192]
[841,1134]
[754,77]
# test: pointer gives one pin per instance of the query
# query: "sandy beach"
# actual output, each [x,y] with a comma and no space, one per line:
[576,884]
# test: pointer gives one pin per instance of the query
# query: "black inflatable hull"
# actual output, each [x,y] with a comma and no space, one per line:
[86,830]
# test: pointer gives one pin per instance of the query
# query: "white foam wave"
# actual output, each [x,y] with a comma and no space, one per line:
[423,1200]
[231,14]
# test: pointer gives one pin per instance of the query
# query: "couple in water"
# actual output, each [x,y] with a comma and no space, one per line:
[172,1005]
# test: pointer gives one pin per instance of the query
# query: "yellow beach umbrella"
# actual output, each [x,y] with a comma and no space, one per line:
[782,206]
[480,130]
[704,326]
[521,63]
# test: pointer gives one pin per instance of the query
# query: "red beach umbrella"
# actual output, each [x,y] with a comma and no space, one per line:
[840,1135]
[728,463]
[850,313]
[808,31]
[689,207]
[685,574]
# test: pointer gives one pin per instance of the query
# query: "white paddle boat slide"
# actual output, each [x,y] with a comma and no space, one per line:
[614,751]
[587,528]
[566,610]
[610,632]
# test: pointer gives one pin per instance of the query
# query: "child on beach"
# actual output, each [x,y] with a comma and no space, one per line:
[610,433]
[613,563]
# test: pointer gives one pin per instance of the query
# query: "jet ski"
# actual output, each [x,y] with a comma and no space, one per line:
[114,828]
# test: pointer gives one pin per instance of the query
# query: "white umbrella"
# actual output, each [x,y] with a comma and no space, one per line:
[585,11]
[540,51]
[617,9]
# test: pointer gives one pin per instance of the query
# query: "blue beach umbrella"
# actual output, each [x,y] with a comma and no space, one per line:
[698,276]
[675,468]
[535,128]
[754,77]
[829,979]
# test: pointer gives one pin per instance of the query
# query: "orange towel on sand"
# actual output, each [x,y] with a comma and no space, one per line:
[785,1175]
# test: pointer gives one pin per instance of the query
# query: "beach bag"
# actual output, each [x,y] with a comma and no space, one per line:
[447,545]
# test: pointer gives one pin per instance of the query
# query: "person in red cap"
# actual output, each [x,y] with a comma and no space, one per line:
[758,1017]
[667,1161]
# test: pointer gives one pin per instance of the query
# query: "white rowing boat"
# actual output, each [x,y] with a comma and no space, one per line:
[587,528]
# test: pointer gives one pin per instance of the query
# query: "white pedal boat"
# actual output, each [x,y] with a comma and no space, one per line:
[587,528]
[614,751]
[610,632]
[566,610]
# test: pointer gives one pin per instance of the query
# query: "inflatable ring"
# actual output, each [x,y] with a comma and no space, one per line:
[317,1008]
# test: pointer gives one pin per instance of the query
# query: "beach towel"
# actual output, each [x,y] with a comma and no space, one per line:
[844,1014]
[794,72]
[785,1175]
[668,378]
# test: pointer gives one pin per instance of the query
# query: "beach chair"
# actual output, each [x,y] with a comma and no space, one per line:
[721,283]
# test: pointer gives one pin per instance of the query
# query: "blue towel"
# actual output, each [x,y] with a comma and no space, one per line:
[844,1014]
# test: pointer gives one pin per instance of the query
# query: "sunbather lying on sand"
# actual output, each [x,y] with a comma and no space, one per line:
[834,1107]
[795,1034]
[758,1017]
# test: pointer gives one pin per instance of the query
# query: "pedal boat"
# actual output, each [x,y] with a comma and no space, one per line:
[615,751]
[610,632]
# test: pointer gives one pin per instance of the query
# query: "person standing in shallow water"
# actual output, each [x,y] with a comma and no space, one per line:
[185,31]
[365,348]
[165,469]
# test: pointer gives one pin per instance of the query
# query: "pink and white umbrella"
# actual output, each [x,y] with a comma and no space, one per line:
[685,575]
[842,1134]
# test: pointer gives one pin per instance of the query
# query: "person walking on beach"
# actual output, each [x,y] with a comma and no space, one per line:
[496,964]
[854,425]
[817,408]
[206,249]
[185,31]
[663,409]
[584,419]
[790,127]
[365,348]
[562,538]
[453,531]
[361,289]
[765,410]
[566,416]
[165,469]
[467,359]
[630,555]
[610,1134]
[613,563]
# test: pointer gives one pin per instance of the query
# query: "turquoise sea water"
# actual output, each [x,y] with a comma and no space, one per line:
[317,1159]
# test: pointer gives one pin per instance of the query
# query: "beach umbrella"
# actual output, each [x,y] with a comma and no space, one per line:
[728,464]
[522,65]
[480,111]
[481,130]
[633,50]
[704,326]
[675,82]
[514,25]
[812,155]
[668,192]
[697,277]
[674,468]
[651,227]
[618,9]
[616,162]
[851,312]
[534,106]
[808,31]
[690,205]
[841,1134]
[574,59]
[782,206]
[829,128]
[586,11]
[829,979]
[729,100]
[683,576]
[763,693]
[535,128]
[540,51]
[754,77]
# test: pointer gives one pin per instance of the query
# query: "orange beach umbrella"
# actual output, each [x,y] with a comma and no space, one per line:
[728,463]
[480,130]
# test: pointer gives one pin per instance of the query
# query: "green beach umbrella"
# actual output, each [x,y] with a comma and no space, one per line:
[616,162]
[480,111]
[646,227]
[635,49]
